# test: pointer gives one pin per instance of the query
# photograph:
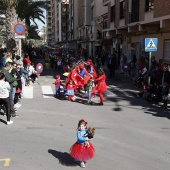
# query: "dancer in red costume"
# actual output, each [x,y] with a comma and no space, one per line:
[92,68]
[101,85]
[80,151]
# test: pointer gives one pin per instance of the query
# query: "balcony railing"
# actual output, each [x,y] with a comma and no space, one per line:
[134,16]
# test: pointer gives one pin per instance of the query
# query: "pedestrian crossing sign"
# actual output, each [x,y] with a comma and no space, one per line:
[151,44]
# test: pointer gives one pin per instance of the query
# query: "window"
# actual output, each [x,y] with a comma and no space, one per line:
[112,14]
[105,24]
[167,49]
[149,5]
[122,9]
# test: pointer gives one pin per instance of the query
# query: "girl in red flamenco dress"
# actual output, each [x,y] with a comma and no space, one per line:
[101,85]
[80,151]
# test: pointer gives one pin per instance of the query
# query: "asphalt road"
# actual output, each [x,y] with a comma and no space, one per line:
[131,134]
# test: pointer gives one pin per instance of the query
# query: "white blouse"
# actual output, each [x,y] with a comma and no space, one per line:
[4,89]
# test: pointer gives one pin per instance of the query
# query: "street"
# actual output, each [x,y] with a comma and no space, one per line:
[131,133]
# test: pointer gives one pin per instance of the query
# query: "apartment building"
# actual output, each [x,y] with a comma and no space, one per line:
[120,25]
[49,23]
[129,22]
[90,25]
[60,26]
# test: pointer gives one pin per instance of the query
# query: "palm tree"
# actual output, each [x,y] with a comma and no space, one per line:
[26,10]
[33,32]
[29,10]
[8,8]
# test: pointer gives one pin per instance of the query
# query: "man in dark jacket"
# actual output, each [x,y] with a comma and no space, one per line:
[10,80]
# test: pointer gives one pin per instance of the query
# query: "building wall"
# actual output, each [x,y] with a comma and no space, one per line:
[161,37]
[161,8]
[142,10]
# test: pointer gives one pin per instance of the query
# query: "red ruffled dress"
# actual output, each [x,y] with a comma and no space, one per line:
[101,86]
[79,151]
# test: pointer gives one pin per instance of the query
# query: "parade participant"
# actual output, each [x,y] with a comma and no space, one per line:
[80,151]
[57,86]
[92,68]
[75,77]
[90,87]
[101,86]
[70,91]
[4,96]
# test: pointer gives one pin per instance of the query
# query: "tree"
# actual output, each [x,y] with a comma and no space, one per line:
[8,8]
[29,10]
[26,10]
[33,32]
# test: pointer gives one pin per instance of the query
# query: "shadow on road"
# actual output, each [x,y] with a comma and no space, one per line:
[63,157]
[3,121]
[148,107]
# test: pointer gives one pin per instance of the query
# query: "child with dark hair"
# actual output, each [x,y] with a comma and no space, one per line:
[80,151]
[57,86]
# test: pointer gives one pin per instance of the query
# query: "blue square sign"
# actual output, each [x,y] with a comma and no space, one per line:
[151,44]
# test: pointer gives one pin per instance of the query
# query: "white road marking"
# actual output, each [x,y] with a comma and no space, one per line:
[28,92]
[120,90]
[108,93]
[47,92]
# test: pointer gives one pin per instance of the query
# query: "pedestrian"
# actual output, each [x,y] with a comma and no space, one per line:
[4,96]
[10,80]
[80,151]
[101,85]
[57,86]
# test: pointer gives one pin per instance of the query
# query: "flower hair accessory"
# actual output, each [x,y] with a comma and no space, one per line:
[82,120]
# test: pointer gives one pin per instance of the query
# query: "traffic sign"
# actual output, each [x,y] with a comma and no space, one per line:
[19,29]
[19,36]
[39,68]
[151,44]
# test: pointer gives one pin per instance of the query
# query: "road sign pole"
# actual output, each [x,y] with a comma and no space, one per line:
[149,78]
[20,47]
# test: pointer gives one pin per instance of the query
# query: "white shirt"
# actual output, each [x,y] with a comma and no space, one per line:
[31,70]
[4,89]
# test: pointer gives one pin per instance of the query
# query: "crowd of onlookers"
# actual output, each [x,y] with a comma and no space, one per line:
[15,73]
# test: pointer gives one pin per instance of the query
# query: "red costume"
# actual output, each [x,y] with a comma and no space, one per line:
[101,87]
[70,91]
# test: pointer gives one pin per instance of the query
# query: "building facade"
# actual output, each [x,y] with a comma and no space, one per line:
[131,21]
[110,25]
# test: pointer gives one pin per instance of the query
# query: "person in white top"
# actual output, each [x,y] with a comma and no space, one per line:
[4,96]
[32,73]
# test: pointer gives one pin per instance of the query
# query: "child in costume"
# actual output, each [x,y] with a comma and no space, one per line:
[81,151]
[57,86]
[70,91]
[89,89]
